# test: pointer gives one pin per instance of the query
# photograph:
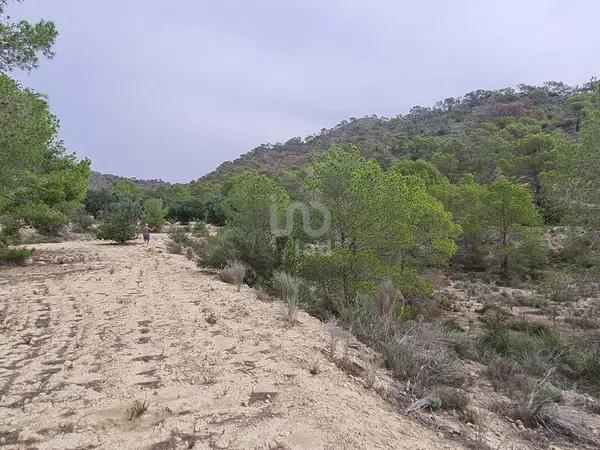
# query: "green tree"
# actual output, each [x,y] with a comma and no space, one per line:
[531,156]
[508,206]
[383,223]
[38,179]
[128,190]
[466,202]
[153,212]
[248,235]
[22,43]
[119,222]
[98,200]
[251,200]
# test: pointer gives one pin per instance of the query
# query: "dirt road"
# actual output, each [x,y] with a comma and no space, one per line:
[88,328]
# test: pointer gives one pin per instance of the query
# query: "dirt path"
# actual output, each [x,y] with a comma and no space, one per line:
[88,328]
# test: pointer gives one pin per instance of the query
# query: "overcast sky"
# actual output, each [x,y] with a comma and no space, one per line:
[158,89]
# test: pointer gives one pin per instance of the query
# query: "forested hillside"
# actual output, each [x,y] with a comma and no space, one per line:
[482,133]
[103,181]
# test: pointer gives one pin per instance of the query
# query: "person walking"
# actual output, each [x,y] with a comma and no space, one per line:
[146,234]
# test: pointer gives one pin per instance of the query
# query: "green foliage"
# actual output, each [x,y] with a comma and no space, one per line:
[22,43]
[128,190]
[37,177]
[97,201]
[119,222]
[509,207]
[186,210]
[382,223]
[14,256]
[248,236]
[153,213]
[251,199]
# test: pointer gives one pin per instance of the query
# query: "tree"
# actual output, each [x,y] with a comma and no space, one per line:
[22,43]
[40,184]
[186,210]
[250,237]
[38,179]
[128,190]
[153,212]
[531,157]
[466,202]
[508,206]
[98,200]
[119,222]
[251,200]
[383,223]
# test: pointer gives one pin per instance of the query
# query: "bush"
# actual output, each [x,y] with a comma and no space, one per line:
[189,253]
[452,399]
[200,229]
[43,218]
[16,256]
[534,400]
[505,375]
[179,235]
[174,247]
[257,251]
[234,272]
[184,211]
[119,222]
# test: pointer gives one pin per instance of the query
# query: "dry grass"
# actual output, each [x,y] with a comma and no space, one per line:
[137,409]
[234,272]
[189,253]
[372,365]
[288,290]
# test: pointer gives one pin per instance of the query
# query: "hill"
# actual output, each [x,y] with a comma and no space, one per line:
[458,129]
[100,181]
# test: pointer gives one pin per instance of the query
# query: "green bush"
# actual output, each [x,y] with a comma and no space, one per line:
[255,250]
[119,222]
[15,256]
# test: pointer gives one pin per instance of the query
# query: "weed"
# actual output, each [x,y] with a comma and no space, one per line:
[137,409]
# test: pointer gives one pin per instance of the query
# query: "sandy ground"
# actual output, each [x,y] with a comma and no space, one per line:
[89,328]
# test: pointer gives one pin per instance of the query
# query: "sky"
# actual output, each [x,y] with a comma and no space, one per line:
[171,90]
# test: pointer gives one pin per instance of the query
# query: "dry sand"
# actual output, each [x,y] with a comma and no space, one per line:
[88,328]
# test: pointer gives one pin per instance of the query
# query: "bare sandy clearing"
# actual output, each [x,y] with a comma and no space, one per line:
[88,328]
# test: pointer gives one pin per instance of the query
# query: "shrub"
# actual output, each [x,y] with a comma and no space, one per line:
[288,289]
[16,256]
[257,251]
[505,375]
[452,399]
[200,229]
[43,218]
[137,409]
[234,272]
[119,222]
[534,401]
[174,247]
[179,235]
